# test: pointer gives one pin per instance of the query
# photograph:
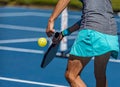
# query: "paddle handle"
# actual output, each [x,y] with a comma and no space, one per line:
[56,36]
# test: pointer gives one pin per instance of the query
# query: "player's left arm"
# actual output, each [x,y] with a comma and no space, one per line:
[61,5]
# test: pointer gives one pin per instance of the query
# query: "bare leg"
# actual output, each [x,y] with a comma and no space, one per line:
[74,68]
[100,65]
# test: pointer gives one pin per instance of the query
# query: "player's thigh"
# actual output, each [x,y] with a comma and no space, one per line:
[76,64]
[100,63]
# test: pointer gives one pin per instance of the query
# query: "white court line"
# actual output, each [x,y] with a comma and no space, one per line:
[24,14]
[28,40]
[18,40]
[37,51]
[25,28]
[31,82]
[21,40]
[13,14]
[22,28]
[116,61]
[24,50]
[21,50]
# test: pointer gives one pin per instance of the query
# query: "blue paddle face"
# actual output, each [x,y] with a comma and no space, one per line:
[50,54]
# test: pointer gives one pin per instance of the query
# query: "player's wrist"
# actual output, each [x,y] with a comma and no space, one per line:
[66,32]
[51,20]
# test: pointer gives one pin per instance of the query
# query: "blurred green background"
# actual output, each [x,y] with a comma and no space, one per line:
[74,4]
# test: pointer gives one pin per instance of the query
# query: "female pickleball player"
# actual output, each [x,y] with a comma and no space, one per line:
[97,38]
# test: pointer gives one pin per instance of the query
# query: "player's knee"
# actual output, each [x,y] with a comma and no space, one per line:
[70,77]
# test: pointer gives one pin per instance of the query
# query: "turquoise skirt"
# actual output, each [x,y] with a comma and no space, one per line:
[90,43]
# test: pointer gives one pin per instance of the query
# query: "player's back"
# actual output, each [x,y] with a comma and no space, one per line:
[98,15]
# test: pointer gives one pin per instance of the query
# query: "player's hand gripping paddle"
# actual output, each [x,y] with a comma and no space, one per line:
[50,53]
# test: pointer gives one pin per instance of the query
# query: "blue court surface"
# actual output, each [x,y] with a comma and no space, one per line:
[20,55]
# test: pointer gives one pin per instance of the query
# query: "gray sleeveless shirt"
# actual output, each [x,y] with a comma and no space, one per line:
[98,15]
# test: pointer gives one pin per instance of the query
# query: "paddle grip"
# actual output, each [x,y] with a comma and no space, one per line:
[56,34]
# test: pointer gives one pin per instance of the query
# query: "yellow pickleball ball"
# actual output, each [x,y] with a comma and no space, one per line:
[42,42]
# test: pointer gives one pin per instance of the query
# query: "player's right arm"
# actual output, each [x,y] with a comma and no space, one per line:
[75,27]
[61,5]
[71,29]
[67,32]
